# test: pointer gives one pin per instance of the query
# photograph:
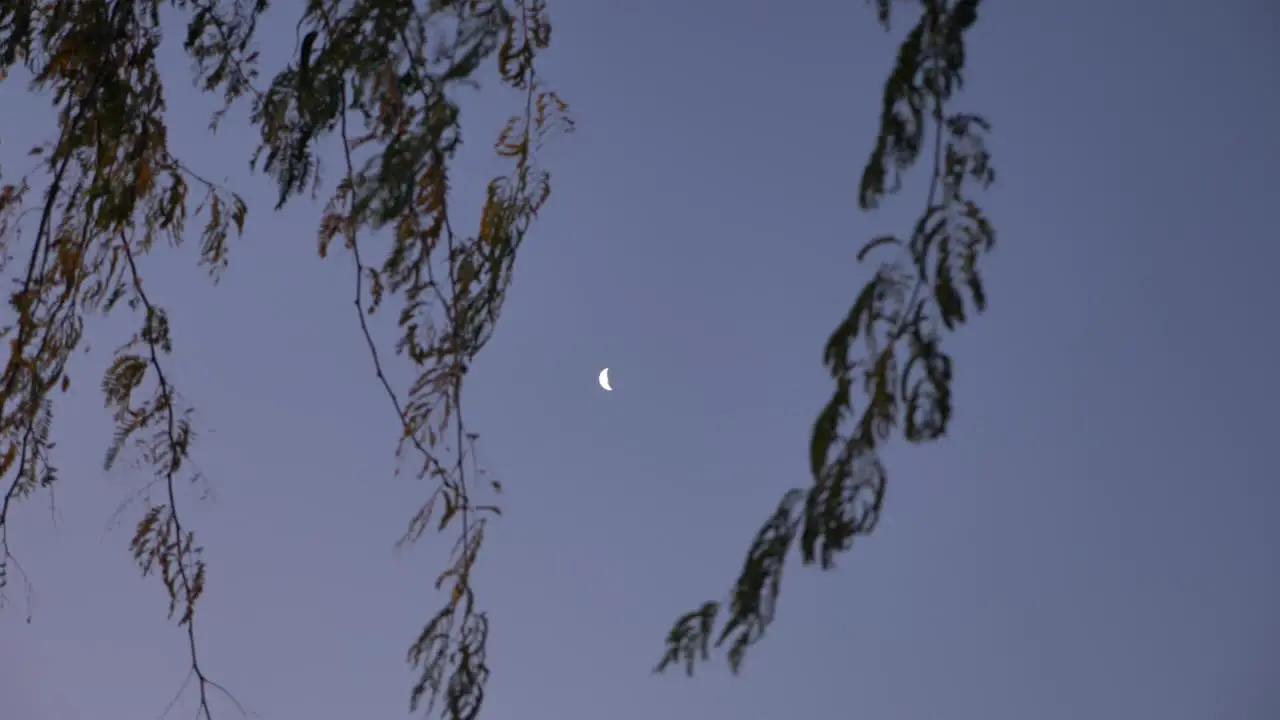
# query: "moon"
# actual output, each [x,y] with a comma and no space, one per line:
[604,379]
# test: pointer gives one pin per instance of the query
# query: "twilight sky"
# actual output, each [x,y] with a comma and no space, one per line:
[1094,539]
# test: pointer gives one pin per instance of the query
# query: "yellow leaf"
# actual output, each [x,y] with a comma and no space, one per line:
[144,181]
[466,273]
[7,460]
[445,576]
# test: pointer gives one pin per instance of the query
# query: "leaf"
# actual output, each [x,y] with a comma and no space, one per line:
[974,281]
[835,354]
[689,639]
[950,305]
[875,243]
[824,428]
[448,573]
[466,272]
[450,509]
[10,454]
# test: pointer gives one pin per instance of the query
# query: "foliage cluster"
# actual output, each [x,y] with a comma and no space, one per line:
[886,356]
[376,78]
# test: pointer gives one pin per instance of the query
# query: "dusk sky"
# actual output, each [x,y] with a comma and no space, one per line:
[1096,538]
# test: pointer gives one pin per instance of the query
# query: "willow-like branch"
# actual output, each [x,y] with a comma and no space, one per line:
[901,379]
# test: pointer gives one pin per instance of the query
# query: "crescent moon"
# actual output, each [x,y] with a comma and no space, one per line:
[604,379]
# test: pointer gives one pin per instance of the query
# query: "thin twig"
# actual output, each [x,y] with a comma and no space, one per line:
[167,397]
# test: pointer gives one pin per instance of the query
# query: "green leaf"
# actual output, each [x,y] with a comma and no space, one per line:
[974,281]
[835,354]
[825,427]
[950,305]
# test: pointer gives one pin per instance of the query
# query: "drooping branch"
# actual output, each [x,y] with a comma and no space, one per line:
[449,286]
[901,378]
[161,540]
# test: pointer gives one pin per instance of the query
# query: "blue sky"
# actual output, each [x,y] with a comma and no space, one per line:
[1094,539]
